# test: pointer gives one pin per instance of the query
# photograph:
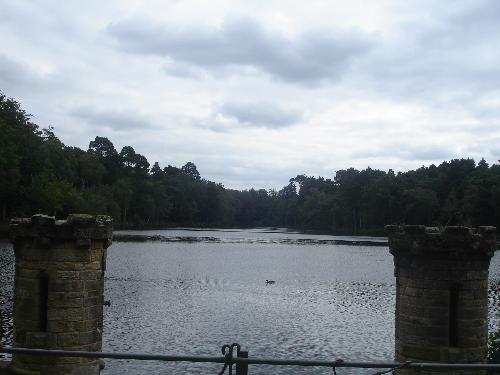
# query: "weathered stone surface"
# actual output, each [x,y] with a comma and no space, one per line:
[59,290]
[441,293]
[5,368]
[43,230]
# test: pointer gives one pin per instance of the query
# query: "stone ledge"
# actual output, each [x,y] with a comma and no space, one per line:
[452,241]
[77,227]
[5,368]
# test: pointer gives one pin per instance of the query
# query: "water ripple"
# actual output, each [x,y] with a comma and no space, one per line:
[328,302]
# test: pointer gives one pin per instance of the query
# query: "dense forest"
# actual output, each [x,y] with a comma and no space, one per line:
[39,174]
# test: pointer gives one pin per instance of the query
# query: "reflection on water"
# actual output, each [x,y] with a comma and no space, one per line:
[6,282]
[328,302]
[192,298]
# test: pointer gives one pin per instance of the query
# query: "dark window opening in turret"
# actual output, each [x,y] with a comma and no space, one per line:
[43,295]
[453,315]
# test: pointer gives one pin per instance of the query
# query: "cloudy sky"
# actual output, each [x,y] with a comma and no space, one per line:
[256,92]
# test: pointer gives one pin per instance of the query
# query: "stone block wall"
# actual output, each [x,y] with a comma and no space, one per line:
[441,293]
[58,291]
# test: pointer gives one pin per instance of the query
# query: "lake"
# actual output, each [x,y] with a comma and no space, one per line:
[199,289]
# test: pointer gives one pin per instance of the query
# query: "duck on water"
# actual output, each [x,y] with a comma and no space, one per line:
[270,282]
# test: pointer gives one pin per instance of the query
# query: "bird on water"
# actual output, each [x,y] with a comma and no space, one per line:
[270,282]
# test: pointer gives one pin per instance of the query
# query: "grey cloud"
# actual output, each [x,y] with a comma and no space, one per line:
[259,114]
[495,152]
[427,153]
[182,70]
[114,119]
[450,56]
[246,173]
[14,73]
[474,23]
[311,57]
[407,152]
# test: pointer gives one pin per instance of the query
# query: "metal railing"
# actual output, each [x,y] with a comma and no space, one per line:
[240,360]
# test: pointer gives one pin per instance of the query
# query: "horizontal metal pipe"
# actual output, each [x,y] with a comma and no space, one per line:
[250,361]
[136,356]
[415,365]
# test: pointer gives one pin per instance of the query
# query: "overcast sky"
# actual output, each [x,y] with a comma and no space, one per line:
[256,92]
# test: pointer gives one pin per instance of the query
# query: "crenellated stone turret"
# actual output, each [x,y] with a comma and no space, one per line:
[441,293]
[58,292]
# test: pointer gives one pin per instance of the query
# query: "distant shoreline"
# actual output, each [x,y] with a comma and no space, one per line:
[4,233]
[120,237]
[4,229]
[374,233]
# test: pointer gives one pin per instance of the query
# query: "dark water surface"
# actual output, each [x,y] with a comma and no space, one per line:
[6,293]
[186,298]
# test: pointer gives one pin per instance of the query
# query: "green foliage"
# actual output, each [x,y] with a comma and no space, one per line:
[38,173]
[190,170]
[50,194]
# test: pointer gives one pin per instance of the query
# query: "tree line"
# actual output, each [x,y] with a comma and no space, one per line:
[40,174]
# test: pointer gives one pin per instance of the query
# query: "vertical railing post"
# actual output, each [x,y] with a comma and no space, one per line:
[242,368]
